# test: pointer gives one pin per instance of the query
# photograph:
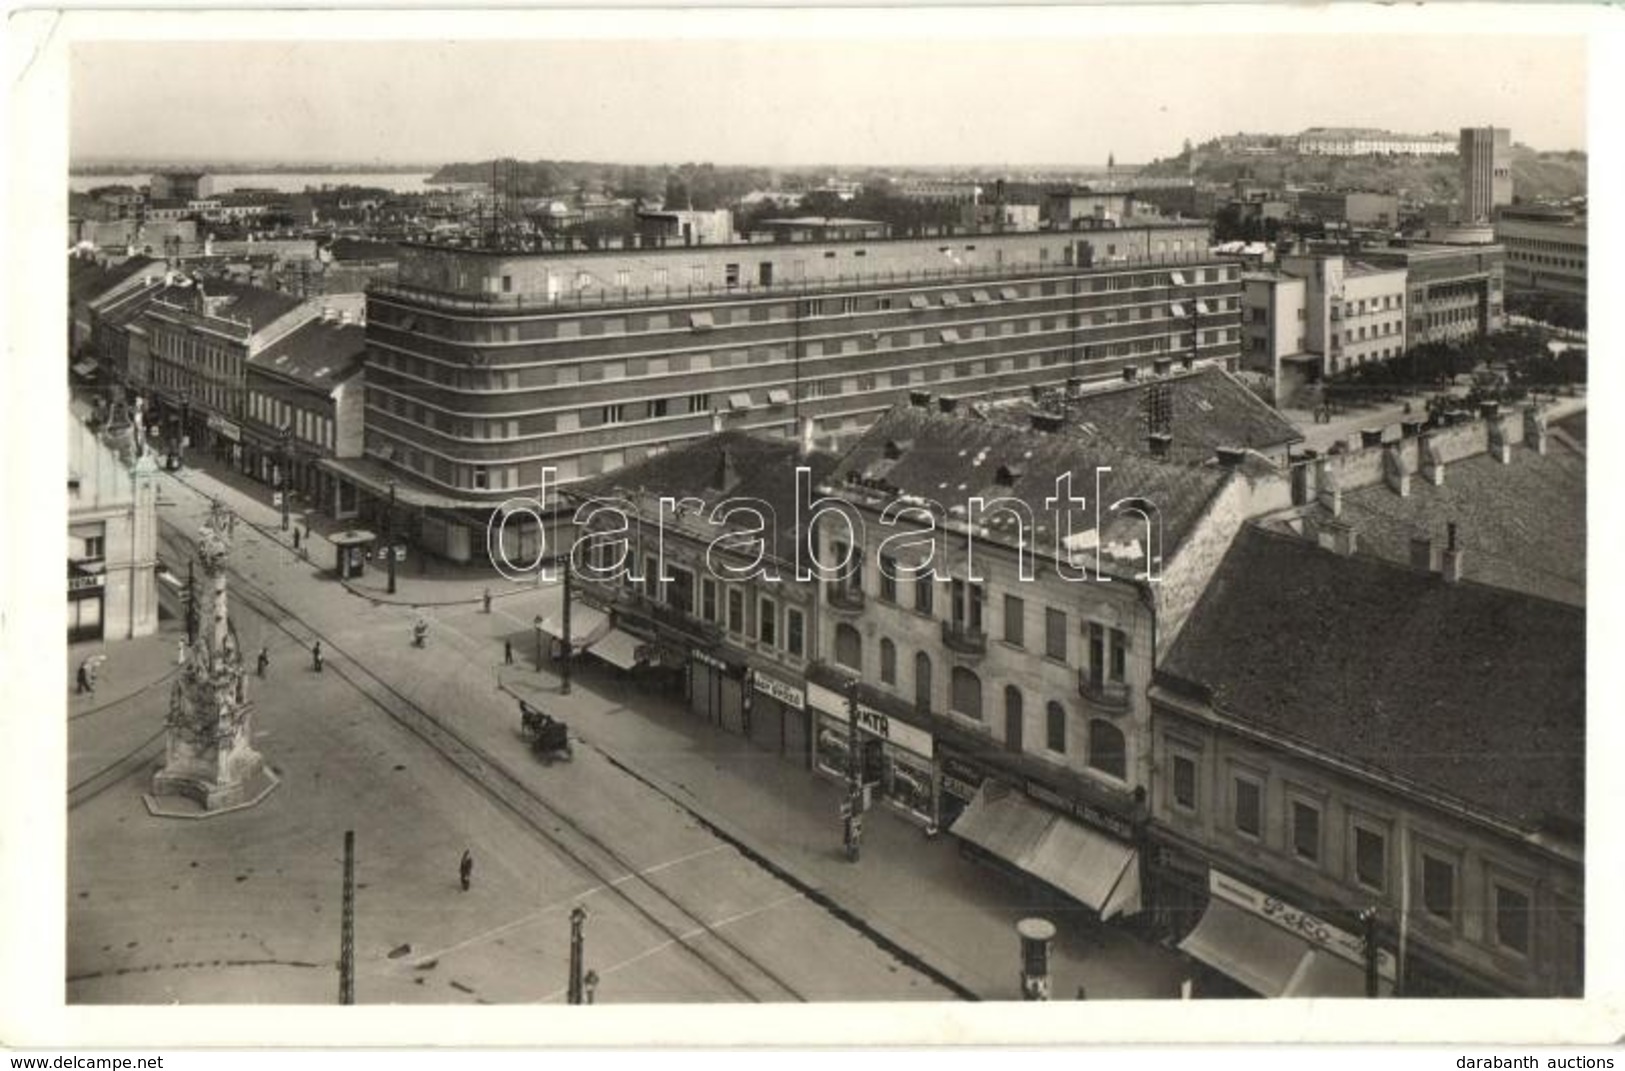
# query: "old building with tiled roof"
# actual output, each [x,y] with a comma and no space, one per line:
[1338,732]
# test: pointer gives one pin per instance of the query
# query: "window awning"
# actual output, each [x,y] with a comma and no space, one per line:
[701,321]
[1269,960]
[619,649]
[1087,865]
[85,367]
[741,400]
[980,297]
[918,301]
[950,299]
[1202,308]
[1008,293]
[950,335]
[1177,310]
[1178,278]
[778,396]
[587,622]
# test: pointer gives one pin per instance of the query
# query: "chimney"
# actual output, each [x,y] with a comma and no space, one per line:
[919,399]
[1231,456]
[1159,443]
[1131,373]
[1162,365]
[1338,537]
[1534,429]
[727,474]
[1046,422]
[805,436]
[1396,472]
[1451,567]
[1187,362]
[1497,431]
[1432,463]
[1424,555]
[947,403]
[1489,410]
[1370,437]
[1328,487]
[1410,429]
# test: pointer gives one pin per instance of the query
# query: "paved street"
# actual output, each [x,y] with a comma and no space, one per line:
[666,795]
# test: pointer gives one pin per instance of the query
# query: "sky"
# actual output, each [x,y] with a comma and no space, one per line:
[882,99]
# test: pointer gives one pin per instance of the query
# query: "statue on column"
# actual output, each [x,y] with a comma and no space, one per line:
[209,757]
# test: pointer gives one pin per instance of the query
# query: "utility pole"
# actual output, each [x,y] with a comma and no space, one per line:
[389,536]
[578,915]
[852,812]
[564,671]
[347,924]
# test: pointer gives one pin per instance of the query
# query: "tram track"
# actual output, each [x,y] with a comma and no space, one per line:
[617,876]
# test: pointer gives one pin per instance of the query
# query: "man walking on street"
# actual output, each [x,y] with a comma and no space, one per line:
[487,600]
[296,537]
[86,684]
[465,869]
[507,652]
[263,661]
[316,656]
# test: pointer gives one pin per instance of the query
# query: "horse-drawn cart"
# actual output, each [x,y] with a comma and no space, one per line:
[548,736]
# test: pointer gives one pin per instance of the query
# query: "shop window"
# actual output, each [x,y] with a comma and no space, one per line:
[848,646]
[967,693]
[888,662]
[1108,749]
[794,632]
[1248,798]
[922,681]
[1511,919]
[1055,727]
[1439,887]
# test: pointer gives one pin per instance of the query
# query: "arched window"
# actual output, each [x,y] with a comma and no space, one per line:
[888,662]
[848,647]
[1012,718]
[1108,752]
[967,693]
[1055,727]
[922,681]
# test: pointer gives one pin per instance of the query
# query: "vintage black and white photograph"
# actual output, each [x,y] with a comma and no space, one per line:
[706,514]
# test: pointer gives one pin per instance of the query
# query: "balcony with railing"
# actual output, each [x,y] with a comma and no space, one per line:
[1111,697]
[963,638]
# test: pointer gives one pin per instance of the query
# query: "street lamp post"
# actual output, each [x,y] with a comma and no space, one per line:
[578,916]
[852,812]
[389,536]
[564,670]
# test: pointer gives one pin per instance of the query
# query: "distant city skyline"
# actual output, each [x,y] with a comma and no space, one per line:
[1018,103]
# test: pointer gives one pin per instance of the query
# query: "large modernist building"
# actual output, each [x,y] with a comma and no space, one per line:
[485,365]
[1486,171]
[1545,250]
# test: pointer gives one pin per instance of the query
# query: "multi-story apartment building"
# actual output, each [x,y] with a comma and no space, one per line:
[1004,597]
[1355,309]
[1275,328]
[180,186]
[1358,208]
[1486,171]
[1455,292]
[1445,799]
[1545,250]
[485,365]
[112,533]
[733,643]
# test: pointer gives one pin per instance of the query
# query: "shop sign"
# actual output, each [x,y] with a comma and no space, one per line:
[871,720]
[715,663]
[86,583]
[226,428]
[1316,931]
[787,694]
[960,779]
[1088,812]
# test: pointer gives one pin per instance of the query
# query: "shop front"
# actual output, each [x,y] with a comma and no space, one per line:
[777,715]
[1074,846]
[716,689]
[1275,949]
[87,601]
[894,756]
[961,781]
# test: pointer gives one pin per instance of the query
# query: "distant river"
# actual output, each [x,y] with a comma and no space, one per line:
[286,181]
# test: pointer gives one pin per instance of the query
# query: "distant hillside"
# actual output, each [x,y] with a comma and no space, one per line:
[1535,175]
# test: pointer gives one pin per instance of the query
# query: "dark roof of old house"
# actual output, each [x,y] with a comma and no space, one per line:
[343,249]
[1467,690]
[317,354]
[947,458]
[88,279]
[729,464]
[256,305]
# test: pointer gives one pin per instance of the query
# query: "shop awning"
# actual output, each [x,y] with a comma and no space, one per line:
[1269,960]
[85,367]
[587,622]
[619,649]
[1087,865]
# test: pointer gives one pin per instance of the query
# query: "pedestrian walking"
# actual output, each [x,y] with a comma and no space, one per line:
[316,656]
[507,652]
[262,661]
[296,537]
[180,652]
[85,683]
[487,600]
[465,869]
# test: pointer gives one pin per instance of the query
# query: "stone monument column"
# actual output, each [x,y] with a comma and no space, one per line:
[209,756]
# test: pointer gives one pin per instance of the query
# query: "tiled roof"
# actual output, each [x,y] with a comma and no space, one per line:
[1464,689]
[88,280]
[255,305]
[1520,526]
[950,459]
[319,353]
[1208,408]
[763,470]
